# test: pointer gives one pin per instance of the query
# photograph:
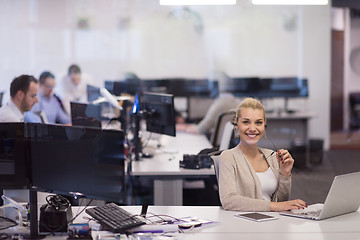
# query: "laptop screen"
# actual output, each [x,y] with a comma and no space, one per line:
[85,115]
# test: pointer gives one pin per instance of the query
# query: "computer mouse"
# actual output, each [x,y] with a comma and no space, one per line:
[147,155]
[189,225]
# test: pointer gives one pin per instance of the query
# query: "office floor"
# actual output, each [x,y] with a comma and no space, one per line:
[313,183]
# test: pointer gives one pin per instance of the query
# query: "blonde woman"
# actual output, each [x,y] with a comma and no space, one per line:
[253,178]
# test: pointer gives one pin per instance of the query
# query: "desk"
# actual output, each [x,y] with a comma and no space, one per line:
[164,167]
[286,130]
[345,227]
[285,228]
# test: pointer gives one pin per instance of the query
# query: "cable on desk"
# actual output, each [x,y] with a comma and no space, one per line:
[147,140]
[4,236]
[5,219]
[57,201]
[53,232]
[160,216]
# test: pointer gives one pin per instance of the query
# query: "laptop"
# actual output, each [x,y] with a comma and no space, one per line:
[343,197]
[85,115]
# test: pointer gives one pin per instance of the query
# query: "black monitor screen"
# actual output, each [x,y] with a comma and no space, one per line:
[160,113]
[109,85]
[288,87]
[78,160]
[93,93]
[119,88]
[86,115]
[13,157]
[155,85]
[192,88]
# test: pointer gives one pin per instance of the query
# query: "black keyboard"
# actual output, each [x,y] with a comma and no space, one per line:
[114,218]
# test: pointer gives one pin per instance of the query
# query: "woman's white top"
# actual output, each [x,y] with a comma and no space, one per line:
[269,183]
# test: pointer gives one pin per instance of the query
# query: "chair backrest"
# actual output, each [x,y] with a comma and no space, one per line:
[219,130]
[215,159]
[226,136]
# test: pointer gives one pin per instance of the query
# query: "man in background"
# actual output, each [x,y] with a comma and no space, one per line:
[49,109]
[225,103]
[23,96]
[74,87]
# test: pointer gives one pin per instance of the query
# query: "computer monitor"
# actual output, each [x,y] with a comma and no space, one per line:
[192,88]
[86,115]
[286,87]
[109,85]
[154,85]
[159,113]
[289,87]
[247,86]
[78,161]
[14,164]
[93,93]
[62,159]
[119,88]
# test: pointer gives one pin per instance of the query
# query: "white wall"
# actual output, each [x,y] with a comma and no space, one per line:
[142,37]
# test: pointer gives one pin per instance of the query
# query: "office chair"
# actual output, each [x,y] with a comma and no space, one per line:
[227,135]
[219,130]
[215,157]
[354,124]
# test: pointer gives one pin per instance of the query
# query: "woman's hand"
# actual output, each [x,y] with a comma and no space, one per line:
[286,162]
[287,205]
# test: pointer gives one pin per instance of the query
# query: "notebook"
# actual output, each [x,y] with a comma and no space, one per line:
[343,197]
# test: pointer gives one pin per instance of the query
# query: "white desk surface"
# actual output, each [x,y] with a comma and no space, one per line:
[344,227]
[165,161]
[230,227]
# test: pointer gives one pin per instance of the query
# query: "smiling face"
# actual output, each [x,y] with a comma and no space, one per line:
[251,125]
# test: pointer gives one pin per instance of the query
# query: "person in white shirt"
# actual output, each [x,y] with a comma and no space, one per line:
[74,87]
[225,103]
[23,95]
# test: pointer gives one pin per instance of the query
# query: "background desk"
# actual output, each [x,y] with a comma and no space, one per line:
[289,131]
[284,128]
[164,167]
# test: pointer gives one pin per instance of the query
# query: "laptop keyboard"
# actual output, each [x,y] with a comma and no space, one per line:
[312,214]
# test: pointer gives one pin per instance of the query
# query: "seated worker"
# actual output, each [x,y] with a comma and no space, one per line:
[221,105]
[74,87]
[253,178]
[23,95]
[49,103]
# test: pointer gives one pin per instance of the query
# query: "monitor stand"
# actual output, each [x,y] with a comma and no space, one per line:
[286,108]
[34,224]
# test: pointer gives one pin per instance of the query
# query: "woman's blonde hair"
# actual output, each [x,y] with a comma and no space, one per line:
[249,103]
